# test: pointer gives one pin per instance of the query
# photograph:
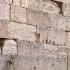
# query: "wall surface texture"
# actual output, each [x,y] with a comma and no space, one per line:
[34,34]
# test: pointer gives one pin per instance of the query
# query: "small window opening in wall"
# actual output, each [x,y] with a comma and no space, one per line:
[37,37]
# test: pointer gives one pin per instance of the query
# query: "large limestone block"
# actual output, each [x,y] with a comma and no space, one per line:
[58,20]
[62,53]
[44,6]
[61,37]
[18,14]
[54,64]
[34,62]
[34,51]
[52,36]
[10,47]
[21,31]
[24,48]
[4,11]
[56,36]
[37,18]
[50,51]
[21,63]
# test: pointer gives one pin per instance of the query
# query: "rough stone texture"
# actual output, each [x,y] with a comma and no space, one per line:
[50,7]
[44,6]
[68,23]
[21,31]
[6,1]
[10,47]
[66,9]
[4,11]
[36,35]
[18,14]
[3,29]
[16,2]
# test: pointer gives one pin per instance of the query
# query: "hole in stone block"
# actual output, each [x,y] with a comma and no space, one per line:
[37,37]
[46,41]
[59,4]
[34,67]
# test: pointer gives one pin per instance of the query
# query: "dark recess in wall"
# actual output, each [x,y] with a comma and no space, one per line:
[2,40]
[59,4]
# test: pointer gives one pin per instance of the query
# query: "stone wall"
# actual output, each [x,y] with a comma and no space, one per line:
[34,35]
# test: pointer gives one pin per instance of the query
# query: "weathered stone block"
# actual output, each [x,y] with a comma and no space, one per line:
[23,48]
[25,3]
[10,47]
[18,14]
[61,37]
[40,51]
[35,5]
[16,2]
[22,31]
[19,63]
[34,63]
[50,7]
[62,54]
[37,18]
[4,11]
[52,36]
[34,52]
[54,64]
[58,20]
[61,23]
[66,9]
